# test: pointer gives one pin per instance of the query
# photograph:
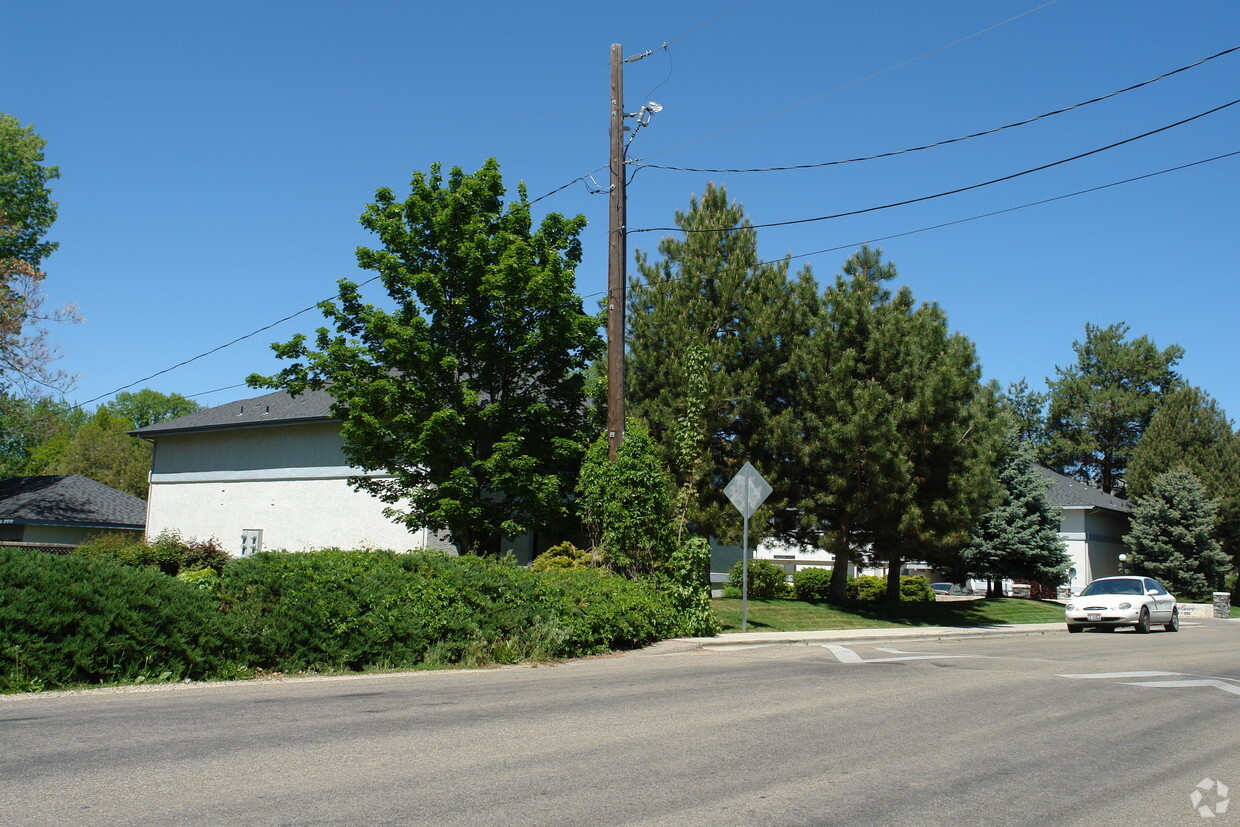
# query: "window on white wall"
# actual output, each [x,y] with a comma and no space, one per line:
[251,541]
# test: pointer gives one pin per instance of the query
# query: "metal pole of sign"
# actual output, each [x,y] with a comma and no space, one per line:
[745,577]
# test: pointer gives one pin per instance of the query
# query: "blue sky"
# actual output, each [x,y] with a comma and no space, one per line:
[215,157]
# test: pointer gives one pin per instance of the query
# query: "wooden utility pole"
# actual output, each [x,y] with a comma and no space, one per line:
[616,252]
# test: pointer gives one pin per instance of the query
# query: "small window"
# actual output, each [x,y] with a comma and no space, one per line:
[251,541]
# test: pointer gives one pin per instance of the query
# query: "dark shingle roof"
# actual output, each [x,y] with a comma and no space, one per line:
[1065,491]
[69,500]
[277,408]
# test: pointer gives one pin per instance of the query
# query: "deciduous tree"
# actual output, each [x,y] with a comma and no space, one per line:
[27,212]
[469,392]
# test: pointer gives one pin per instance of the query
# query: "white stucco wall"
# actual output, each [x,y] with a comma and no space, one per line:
[290,482]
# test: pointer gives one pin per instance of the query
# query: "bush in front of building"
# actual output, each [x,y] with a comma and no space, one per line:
[869,588]
[766,580]
[68,620]
[169,552]
[812,583]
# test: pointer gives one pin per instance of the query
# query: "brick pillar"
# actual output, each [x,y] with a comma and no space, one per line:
[1222,604]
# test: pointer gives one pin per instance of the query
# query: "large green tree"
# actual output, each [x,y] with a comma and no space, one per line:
[1100,406]
[469,392]
[897,435]
[27,212]
[711,328]
[147,407]
[102,450]
[1172,536]
[1191,431]
[1019,537]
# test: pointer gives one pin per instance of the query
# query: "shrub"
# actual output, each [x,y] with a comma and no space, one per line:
[564,556]
[168,552]
[812,583]
[916,588]
[869,588]
[67,620]
[766,579]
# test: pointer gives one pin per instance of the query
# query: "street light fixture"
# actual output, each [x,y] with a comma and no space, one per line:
[1123,558]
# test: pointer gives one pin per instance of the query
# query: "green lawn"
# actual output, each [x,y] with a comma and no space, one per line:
[804,616]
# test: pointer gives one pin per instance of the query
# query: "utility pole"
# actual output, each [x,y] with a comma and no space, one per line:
[616,254]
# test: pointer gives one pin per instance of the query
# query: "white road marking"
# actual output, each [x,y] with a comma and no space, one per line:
[1226,687]
[846,655]
[1114,675]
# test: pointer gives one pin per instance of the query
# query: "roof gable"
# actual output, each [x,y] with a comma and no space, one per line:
[278,408]
[1066,492]
[69,500]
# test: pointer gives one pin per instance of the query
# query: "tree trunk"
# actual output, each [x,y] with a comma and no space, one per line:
[837,591]
[893,580]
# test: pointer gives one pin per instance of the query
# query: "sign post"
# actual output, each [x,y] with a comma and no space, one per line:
[746,491]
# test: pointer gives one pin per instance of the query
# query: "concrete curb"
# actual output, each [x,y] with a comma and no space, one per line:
[736,640]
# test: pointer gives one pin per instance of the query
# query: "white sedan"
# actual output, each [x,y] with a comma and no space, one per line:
[1111,602]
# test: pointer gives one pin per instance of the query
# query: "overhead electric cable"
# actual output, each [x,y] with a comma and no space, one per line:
[945,193]
[851,84]
[855,244]
[217,349]
[638,161]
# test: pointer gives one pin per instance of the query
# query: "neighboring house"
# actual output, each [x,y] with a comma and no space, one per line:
[65,510]
[1092,525]
[266,473]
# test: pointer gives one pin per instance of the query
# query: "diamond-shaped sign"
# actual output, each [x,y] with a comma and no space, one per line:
[747,490]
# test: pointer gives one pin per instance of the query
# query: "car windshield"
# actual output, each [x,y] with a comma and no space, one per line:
[1113,587]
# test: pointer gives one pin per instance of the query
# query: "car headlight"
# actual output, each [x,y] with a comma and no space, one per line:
[1070,607]
[1124,606]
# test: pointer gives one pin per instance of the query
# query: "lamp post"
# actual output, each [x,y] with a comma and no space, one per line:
[1123,558]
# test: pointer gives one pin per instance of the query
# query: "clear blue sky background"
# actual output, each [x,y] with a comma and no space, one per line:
[215,157]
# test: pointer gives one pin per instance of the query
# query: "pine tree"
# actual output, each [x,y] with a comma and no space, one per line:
[1191,431]
[1171,536]
[1020,536]
[1100,406]
[897,434]
[711,294]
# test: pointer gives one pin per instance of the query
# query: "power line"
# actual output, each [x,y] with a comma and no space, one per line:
[217,349]
[855,244]
[945,193]
[851,84]
[638,161]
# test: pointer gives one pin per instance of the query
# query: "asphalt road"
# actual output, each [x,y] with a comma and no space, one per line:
[1006,730]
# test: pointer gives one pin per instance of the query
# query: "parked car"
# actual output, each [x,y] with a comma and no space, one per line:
[1112,602]
[946,589]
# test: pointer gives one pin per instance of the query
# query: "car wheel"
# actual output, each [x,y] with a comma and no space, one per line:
[1143,622]
[1174,625]
[1073,628]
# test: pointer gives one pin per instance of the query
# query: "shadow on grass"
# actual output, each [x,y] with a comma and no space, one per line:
[804,615]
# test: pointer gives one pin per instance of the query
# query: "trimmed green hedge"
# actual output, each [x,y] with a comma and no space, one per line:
[69,620]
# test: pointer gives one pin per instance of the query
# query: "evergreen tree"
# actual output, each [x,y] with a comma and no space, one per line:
[1192,432]
[1171,536]
[469,393]
[1019,537]
[897,434]
[1027,409]
[1100,406]
[710,293]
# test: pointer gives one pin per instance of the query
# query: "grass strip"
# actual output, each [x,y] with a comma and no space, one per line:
[810,616]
